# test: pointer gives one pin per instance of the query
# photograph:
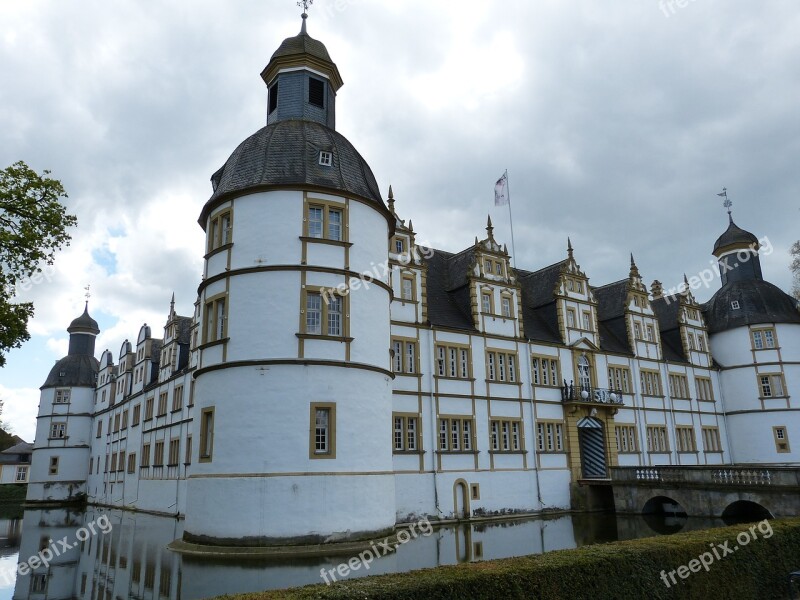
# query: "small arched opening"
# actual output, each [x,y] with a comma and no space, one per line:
[664,515]
[745,511]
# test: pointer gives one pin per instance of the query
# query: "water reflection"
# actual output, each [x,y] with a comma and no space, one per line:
[132,561]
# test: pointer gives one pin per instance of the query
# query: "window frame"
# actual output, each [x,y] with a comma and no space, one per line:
[763,334]
[712,442]
[327,207]
[404,431]
[465,431]
[626,432]
[409,364]
[330,452]
[325,293]
[654,375]
[657,444]
[502,366]
[772,379]
[704,384]
[781,440]
[211,309]
[207,424]
[218,236]
[445,366]
[685,439]
[505,440]
[550,438]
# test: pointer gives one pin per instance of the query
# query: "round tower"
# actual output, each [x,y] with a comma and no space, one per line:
[293,386]
[754,329]
[60,460]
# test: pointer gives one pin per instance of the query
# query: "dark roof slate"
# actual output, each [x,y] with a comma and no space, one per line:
[447,307]
[302,43]
[759,302]
[611,299]
[74,370]
[734,235]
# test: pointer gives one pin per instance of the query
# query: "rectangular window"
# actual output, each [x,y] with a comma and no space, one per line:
[408,287]
[455,434]
[701,342]
[325,159]
[452,362]
[626,439]
[545,371]
[121,462]
[323,431]
[651,383]
[486,303]
[704,389]
[158,454]
[38,583]
[763,339]
[637,331]
[148,408]
[316,92]
[587,321]
[219,231]
[571,318]
[505,303]
[273,97]
[53,469]
[216,320]
[405,356]
[650,332]
[206,434]
[116,423]
[405,433]
[501,366]
[325,222]
[99,428]
[58,430]
[188,458]
[619,379]
[145,455]
[124,420]
[678,386]
[684,436]
[657,438]
[62,397]
[177,398]
[131,463]
[324,314]
[711,440]
[399,245]
[781,440]
[505,435]
[771,386]
[137,412]
[22,473]
[174,453]
[550,436]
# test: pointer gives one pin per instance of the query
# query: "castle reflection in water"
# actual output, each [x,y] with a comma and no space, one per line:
[133,561]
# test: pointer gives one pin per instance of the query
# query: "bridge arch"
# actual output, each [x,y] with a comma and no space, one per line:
[745,511]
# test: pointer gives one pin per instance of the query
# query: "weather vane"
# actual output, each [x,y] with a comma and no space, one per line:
[304,4]
[727,204]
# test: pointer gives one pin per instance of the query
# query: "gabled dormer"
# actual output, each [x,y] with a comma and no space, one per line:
[694,334]
[494,289]
[641,321]
[141,366]
[407,270]
[174,349]
[575,302]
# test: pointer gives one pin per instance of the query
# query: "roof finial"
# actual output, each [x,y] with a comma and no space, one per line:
[489,228]
[391,199]
[172,304]
[304,4]
[569,248]
[634,269]
[727,204]
[87,295]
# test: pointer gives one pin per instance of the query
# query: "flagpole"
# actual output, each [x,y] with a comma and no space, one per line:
[511,222]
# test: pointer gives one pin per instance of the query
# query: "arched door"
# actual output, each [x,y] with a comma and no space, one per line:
[592,439]
[461,500]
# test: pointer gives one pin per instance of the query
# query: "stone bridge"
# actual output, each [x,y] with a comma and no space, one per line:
[719,491]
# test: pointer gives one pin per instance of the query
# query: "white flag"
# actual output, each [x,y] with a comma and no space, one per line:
[501,191]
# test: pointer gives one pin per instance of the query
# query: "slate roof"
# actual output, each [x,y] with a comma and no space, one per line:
[447,306]
[611,299]
[667,309]
[286,153]
[84,323]
[79,370]
[20,453]
[734,235]
[539,314]
[759,302]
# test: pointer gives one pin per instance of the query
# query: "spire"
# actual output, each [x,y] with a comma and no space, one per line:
[634,274]
[489,228]
[172,304]
[411,225]
[391,199]
[304,4]
[569,249]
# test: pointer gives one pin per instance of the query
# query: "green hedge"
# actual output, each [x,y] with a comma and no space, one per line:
[629,569]
[13,492]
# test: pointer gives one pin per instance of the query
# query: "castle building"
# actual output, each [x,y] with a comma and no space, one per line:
[334,378]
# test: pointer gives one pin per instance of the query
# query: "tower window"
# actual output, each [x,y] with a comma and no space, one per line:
[273,97]
[735,305]
[316,92]
[325,158]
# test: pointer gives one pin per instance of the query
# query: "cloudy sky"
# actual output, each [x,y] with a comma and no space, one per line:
[618,123]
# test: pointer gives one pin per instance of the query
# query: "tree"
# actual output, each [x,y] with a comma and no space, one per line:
[33,227]
[795,267]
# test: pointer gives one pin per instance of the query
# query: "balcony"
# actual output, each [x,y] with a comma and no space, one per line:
[577,394]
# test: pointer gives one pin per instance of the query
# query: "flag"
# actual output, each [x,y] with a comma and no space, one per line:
[501,191]
[724,194]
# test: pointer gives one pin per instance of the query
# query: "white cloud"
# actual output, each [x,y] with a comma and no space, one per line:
[19,410]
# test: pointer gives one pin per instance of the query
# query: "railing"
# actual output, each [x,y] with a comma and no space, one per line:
[755,476]
[592,395]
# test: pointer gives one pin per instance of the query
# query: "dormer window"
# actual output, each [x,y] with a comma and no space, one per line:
[316,92]
[735,305]
[487,266]
[325,159]
[399,246]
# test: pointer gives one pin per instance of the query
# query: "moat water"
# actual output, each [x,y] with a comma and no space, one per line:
[127,555]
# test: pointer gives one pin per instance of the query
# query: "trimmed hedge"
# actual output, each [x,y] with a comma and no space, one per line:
[13,492]
[628,569]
